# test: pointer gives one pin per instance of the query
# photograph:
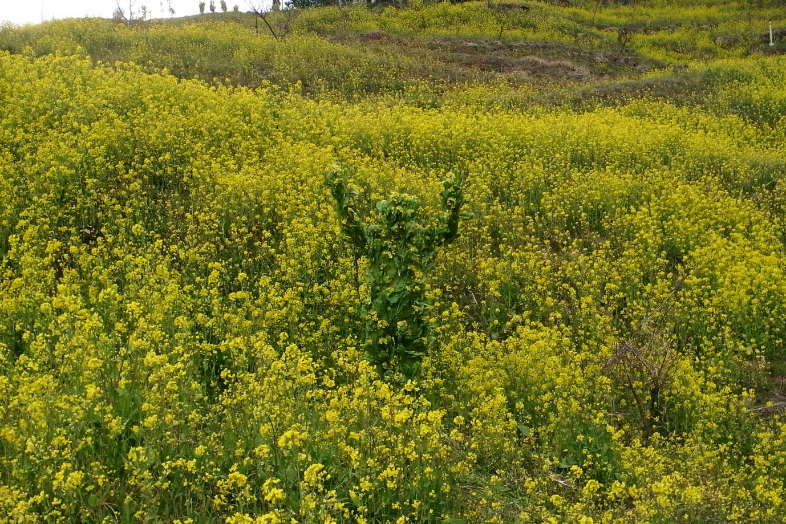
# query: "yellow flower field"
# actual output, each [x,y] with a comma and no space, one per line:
[181,327]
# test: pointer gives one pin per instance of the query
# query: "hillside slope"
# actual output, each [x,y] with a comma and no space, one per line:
[183,318]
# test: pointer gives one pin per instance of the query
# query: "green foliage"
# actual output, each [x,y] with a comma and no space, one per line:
[183,329]
[419,54]
[399,251]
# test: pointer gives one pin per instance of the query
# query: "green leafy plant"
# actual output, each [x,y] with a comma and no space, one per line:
[399,251]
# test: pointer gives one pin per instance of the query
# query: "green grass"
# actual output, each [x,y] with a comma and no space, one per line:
[358,52]
[181,317]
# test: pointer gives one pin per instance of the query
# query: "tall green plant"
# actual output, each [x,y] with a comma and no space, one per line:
[399,251]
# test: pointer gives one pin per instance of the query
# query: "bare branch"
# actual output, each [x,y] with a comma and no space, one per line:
[260,12]
[772,408]
[130,16]
[120,10]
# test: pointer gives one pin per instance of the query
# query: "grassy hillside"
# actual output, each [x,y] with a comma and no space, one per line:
[357,52]
[182,318]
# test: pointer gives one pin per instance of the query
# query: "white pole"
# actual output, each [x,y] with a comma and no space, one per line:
[771,42]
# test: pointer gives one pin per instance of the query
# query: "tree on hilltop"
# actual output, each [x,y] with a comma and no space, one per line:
[139,14]
[261,10]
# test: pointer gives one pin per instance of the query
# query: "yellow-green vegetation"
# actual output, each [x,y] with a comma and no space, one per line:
[181,316]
